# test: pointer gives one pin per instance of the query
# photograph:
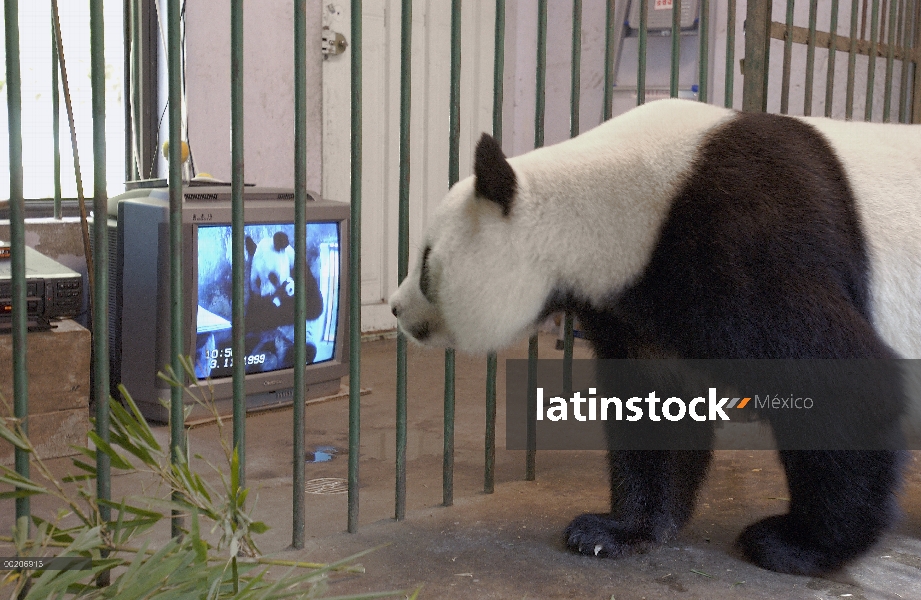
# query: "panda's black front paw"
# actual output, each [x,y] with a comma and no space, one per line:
[779,544]
[600,535]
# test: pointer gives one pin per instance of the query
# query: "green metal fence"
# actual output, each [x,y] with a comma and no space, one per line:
[894,37]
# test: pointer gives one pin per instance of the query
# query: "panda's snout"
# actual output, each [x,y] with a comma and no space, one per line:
[395,309]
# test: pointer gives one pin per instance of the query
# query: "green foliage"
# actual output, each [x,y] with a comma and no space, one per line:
[188,566]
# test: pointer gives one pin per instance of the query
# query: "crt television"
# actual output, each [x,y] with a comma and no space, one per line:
[139,338]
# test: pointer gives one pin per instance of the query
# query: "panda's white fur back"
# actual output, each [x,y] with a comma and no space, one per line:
[883,165]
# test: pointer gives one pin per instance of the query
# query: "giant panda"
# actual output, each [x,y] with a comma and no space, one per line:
[269,303]
[681,229]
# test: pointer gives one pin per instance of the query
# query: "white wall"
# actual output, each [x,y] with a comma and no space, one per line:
[268,90]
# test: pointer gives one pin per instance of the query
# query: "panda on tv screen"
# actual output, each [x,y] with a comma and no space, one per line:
[268,297]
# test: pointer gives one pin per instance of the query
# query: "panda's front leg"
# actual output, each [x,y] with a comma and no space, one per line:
[652,496]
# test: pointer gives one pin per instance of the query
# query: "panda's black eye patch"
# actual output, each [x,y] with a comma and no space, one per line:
[424,277]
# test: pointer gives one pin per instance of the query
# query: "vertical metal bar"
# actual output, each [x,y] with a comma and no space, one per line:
[676,48]
[406,24]
[355,271]
[810,58]
[177,333]
[703,30]
[135,95]
[908,9]
[851,63]
[757,59]
[915,116]
[17,246]
[871,65]
[56,121]
[730,54]
[453,176]
[641,50]
[298,528]
[832,42]
[574,97]
[607,106]
[531,452]
[489,476]
[890,62]
[539,116]
[100,262]
[787,59]
[238,239]
[127,26]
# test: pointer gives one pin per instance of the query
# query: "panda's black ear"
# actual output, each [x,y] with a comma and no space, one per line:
[494,177]
[250,246]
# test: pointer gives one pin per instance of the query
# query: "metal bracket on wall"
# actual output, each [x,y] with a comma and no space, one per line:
[334,43]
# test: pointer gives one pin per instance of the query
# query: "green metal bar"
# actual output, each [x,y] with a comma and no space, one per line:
[298,527]
[641,51]
[406,34]
[607,106]
[540,95]
[531,452]
[787,59]
[101,258]
[127,25]
[238,239]
[56,120]
[907,14]
[890,62]
[575,91]
[851,63]
[730,54]
[177,333]
[489,476]
[453,176]
[17,247]
[703,85]
[539,117]
[135,95]
[830,76]
[871,65]
[757,59]
[676,49]
[355,271]
[810,58]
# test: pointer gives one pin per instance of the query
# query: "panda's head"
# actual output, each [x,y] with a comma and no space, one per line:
[478,284]
[271,263]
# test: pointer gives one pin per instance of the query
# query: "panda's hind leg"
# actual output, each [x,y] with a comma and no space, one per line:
[652,496]
[841,501]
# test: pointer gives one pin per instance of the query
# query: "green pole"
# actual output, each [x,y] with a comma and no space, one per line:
[298,529]
[703,85]
[453,176]
[574,97]
[355,272]
[810,58]
[489,476]
[406,34]
[907,18]
[730,54]
[56,121]
[832,42]
[890,62]
[676,49]
[101,258]
[757,40]
[607,108]
[238,237]
[18,247]
[787,59]
[641,64]
[871,65]
[851,63]
[177,333]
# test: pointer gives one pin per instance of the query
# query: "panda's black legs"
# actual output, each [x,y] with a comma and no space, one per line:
[840,503]
[652,497]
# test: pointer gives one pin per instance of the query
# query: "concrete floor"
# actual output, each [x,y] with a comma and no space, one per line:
[509,544]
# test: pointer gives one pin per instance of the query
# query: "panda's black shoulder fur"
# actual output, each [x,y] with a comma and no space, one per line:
[760,256]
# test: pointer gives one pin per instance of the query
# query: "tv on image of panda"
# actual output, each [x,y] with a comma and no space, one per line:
[268,297]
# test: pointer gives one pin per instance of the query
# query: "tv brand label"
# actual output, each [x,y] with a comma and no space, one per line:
[200,217]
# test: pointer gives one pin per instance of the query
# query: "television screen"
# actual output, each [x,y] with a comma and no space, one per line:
[268,297]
